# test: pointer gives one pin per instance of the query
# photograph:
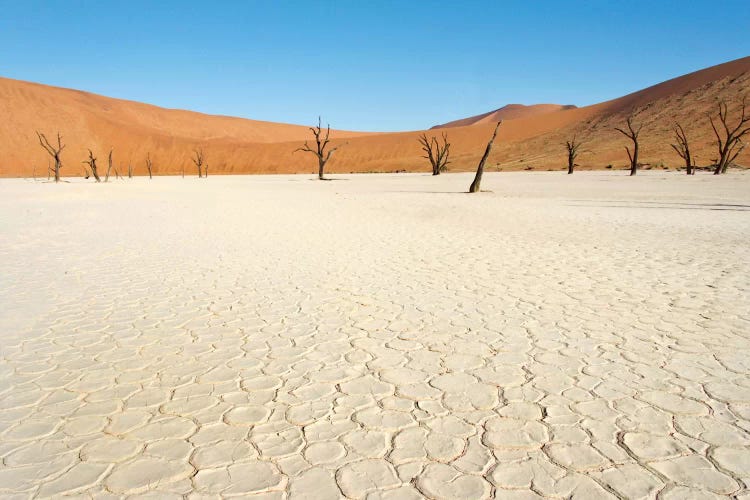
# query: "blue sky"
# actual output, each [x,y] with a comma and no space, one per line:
[380,65]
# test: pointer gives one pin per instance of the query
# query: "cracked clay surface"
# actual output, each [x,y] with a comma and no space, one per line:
[378,337]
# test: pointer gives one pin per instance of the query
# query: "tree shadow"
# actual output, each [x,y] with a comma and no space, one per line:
[697,206]
[667,203]
[412,191]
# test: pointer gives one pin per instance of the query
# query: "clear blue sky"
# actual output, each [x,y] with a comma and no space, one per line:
[365,65]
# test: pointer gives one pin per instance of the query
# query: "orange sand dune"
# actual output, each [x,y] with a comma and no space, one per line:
[508,112]
[234,145]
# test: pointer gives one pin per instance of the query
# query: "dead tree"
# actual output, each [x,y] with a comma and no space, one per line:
[320,152]
[632,134]
[130,169]
[198,160]
[149,165]
[437,153]
[480,168]
[109,166]
[573,145]
[682,148]
[729,142]
[54,152]
[91,162]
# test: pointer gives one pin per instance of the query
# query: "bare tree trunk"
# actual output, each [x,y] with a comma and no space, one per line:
[572,147]
[109,166]
[730,142]
[682,147]
[632,134]
[436,153]
[149,165]
[54,152]
[320,150]
[475,185]
[91,162]
[130,169]
[199,160]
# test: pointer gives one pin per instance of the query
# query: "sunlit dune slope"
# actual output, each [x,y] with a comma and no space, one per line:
[234,145]
[507,112]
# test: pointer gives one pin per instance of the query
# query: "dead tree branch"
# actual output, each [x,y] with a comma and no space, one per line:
[435,152]
[91,162]
[109,166]
[632,134]
[729,140]
[682,147]
[149,165]
[54,152]
[475,185]
[573,146]
[321,142]
[198,159]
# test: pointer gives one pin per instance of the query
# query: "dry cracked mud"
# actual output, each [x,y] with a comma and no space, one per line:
[378,337]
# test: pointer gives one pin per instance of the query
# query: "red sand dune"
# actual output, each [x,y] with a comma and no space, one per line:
[532,139]
[508,112]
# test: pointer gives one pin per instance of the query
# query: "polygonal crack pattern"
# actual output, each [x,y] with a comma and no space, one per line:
[317,345]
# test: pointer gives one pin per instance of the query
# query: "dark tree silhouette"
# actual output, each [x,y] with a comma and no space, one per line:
[572,145]
[435,152]
[321,142]
[475,185]
[109,166]
[632,134]
[149,165]
[682,147]
[729,141]
[54,152]
[199,159]
[91,162]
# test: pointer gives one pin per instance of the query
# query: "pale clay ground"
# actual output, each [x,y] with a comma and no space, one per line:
[379,336]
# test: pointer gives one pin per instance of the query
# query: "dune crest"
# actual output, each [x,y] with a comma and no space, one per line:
[507,112]
[533,137]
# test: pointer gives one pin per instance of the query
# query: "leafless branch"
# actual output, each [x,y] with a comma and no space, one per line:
[321,151]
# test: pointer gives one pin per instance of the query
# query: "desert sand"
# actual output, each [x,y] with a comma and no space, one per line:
[376,336]
[531,138]
[507,112]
